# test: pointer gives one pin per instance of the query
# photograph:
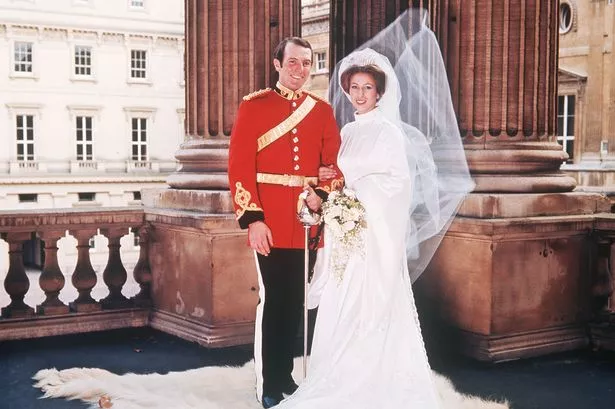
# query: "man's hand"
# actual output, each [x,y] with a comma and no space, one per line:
[326,173]
[259,236]
[313,201]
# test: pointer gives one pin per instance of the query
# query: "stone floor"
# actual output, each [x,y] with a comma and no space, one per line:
[575,380]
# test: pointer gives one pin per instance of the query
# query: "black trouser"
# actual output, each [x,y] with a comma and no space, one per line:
[282,273]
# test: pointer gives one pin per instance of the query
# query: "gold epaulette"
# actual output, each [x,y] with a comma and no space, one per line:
[318,97]
[256,94]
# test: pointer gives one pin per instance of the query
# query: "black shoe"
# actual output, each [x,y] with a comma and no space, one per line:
[270,401]
[289,388]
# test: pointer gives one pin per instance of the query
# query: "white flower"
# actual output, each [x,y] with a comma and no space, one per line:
[348,226]
[344,216]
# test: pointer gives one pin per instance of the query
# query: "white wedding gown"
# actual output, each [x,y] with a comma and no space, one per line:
[368,351]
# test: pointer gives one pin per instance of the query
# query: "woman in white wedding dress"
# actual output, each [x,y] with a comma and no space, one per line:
[367,350]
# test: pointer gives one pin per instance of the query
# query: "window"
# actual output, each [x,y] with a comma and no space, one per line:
[139,139]
[136,4]
[83,129]
[321,61]
[86,196]
[25,137]
[22,57]
[83,60]
[136,195]
[138,64]
[28,198]
[565,17]
[565,123]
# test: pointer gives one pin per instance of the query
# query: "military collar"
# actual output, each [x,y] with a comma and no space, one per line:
[288,93]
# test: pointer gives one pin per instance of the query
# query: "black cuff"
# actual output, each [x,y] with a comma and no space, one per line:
[249,217]
[321,193]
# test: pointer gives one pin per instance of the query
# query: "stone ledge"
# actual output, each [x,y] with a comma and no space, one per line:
[74,323]
[211,336]
[204,201]
[493,348]
[510,205]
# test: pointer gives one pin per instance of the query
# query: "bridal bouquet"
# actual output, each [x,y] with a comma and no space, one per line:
[344,217]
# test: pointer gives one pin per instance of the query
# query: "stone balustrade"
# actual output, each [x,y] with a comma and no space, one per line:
[83,314]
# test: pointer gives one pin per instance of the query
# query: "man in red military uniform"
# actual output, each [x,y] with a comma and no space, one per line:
[280,138]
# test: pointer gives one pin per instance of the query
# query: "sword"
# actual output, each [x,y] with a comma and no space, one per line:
[308,219]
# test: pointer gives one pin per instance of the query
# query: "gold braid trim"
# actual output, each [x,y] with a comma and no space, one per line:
[316,96]
[256,94]
[242,198]
[336,184]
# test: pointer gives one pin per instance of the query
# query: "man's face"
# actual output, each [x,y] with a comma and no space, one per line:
[295,69]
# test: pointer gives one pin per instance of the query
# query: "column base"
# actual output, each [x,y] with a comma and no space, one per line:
[516,205]
[512,287]
[216,336]
[204,282]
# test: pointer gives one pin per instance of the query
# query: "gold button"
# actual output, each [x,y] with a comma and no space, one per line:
[296,149]
[296,167]
[294,130]
[294,104]
[295,139]
[296,158]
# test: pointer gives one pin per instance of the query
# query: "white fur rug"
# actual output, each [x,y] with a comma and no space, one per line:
[202,388]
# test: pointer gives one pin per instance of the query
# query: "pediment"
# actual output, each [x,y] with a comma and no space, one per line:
[571,75]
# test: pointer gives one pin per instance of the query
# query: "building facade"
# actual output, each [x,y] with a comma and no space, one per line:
[315,29]
[586,90]
[91,101]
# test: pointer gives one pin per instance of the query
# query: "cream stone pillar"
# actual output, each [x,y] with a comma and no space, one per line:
[204,284]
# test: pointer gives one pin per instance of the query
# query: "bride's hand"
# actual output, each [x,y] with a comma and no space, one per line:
[326,173]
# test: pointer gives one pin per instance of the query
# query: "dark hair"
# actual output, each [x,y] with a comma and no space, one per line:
[373,70]
[278,53]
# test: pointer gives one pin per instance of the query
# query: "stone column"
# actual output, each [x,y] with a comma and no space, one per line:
[229,47]
[203,278]
[502,65]
[511,274]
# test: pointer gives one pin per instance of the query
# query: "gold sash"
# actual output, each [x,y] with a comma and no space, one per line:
[286,125]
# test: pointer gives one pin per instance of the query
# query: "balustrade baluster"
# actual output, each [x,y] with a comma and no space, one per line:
[16,282]
[142,272]
[84,276]
[602,288]
[115,275]
[51,280]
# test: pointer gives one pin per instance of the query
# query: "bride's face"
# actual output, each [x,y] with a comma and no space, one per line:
[363,93]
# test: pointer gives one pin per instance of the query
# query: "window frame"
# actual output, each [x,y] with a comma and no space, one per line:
[26,156]
[140,144]
[145,70]
[566,134]
[76,111]
[571,6]
[317,61]
[32,63]
[75,66]
[133,6]
[84,143]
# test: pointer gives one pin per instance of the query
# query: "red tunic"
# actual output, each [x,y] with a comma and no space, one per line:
[313,142]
